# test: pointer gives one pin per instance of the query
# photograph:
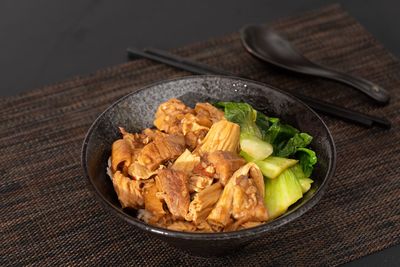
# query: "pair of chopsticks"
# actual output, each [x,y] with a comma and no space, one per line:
[200,68]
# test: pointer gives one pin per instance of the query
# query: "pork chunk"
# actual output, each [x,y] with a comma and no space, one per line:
[163,148]
[207,114]
[174,188]
[241,200]
[225,164]
[129,191]
[169,116]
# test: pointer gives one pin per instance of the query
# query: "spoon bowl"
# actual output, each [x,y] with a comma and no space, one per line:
[267,45]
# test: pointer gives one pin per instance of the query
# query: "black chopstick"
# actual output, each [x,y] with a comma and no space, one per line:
[316,104]
[132,52]
[344,113]
[185,61]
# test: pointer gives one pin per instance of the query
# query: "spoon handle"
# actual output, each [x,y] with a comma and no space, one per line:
[371,89]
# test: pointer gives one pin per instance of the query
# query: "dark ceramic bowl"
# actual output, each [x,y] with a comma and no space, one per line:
[136,111]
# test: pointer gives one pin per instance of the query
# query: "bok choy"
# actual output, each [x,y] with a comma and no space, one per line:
[250,135]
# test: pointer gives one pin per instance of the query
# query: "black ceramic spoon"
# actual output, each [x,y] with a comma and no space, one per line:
[265,44]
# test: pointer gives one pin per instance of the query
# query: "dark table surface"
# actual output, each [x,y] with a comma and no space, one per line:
[46,41]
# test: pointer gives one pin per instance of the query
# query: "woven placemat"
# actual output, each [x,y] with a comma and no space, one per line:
[50,217]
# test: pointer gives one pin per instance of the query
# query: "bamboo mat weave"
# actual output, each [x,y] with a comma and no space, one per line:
[49,217]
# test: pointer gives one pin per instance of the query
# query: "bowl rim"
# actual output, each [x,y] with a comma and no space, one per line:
[268,226]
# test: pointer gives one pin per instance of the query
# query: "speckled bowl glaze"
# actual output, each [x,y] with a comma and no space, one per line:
[136,111]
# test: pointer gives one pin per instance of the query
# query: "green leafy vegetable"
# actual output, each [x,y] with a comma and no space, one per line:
[304,181]
[272,167]
[277,132]
[307,159]
[299,140]
[287,141]
[298,171]
[254,146]
[242,114]
[263,123]
[250,135]
[282,192]
[305,184]
[285,190]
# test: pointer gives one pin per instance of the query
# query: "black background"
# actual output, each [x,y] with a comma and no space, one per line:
[45,41]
